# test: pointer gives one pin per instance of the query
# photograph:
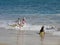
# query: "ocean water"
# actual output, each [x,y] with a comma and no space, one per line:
[29,7]
[36,12]
[33,18]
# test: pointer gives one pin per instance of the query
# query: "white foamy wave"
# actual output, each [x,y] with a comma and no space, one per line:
[6,24]
[31,27]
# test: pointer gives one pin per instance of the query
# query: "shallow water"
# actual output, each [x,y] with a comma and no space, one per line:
[16,37]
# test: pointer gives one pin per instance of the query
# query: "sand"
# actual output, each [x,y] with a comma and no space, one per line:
[26,37]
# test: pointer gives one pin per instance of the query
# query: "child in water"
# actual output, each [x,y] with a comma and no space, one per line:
[42,33]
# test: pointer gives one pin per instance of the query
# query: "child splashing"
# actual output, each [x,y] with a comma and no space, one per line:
[21,23]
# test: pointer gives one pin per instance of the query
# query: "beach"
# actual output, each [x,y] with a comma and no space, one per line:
[21,21]
[26,37]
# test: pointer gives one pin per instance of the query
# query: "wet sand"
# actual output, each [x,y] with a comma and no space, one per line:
[25,37]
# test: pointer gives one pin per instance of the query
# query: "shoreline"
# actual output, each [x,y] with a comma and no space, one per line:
[26,37]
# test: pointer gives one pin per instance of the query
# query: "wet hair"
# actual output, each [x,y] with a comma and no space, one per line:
[23,19]
[42,29]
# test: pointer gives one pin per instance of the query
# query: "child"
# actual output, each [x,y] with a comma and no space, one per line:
[42,33]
